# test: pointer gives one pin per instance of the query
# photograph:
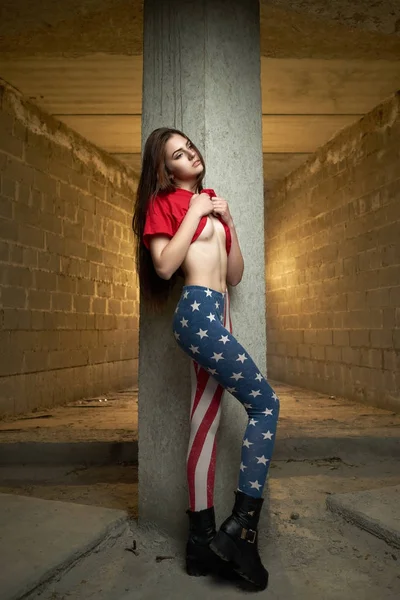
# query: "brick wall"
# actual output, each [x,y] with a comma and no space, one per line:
[68,293]
[333,265]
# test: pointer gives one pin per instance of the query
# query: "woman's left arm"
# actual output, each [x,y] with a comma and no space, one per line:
[235,260]
[235,265]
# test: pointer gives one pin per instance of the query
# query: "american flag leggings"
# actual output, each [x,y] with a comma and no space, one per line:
[203,329]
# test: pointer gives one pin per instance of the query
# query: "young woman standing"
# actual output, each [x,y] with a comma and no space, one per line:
[182,228]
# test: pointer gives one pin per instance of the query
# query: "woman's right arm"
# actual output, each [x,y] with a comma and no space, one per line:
[169,253]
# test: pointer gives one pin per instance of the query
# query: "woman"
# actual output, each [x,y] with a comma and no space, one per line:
[181,227]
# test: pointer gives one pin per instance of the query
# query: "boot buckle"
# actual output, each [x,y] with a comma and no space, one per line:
[246,535]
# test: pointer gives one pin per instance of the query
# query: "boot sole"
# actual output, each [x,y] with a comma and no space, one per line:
[196,568]
[224,547]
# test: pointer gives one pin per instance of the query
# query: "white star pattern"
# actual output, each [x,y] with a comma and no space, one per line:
[267,412]
[241,357]
[247,443]
[202,333]
[237,376]
[255,484]
[266,394]
[210,345]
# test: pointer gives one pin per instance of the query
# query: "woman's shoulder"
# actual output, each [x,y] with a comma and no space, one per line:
[160,200]
[168,196]
[169,203]
[174,199]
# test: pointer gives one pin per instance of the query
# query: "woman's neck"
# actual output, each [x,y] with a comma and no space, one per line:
[186,185]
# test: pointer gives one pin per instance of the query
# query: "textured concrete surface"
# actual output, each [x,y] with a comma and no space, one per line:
[332,265]
[66,58]
[331,447]
[110,417]
[191,88]
[380,16]
[288,30]
[68,290]
[68,453]
[376,511]
[40,537]
[310,553]
[299,29]
[96,432]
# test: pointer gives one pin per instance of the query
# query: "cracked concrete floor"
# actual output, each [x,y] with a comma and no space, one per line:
[310,552]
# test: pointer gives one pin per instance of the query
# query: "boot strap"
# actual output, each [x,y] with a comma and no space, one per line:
[249,535]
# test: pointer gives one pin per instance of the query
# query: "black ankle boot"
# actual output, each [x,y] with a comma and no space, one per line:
[236,541]
[199,558]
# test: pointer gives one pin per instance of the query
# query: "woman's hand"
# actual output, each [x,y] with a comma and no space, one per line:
[221,208]
[202,204]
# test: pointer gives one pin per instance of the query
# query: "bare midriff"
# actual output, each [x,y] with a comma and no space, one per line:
[206,260]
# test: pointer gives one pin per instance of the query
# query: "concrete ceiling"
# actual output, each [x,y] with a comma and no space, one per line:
[381,16]
[323,66]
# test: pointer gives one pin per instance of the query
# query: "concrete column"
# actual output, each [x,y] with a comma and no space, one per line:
[202,75]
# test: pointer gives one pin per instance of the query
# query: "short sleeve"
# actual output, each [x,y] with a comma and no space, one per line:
[158,221]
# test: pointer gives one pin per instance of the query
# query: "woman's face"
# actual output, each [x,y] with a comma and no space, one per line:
[182,160]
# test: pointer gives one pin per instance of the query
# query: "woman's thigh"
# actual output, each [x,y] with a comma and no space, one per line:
[216,350]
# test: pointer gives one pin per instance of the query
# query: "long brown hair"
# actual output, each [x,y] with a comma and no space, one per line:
[154,178]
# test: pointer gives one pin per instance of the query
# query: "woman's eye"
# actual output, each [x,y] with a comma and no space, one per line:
[178,155]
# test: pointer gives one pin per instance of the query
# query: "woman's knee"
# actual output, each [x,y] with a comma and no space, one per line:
[263,408]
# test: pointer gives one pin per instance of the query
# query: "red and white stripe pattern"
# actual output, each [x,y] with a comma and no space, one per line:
[205,414]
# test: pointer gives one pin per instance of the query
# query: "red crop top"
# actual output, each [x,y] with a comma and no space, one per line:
[166,212]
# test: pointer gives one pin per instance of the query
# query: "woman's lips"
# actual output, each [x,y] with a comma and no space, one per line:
[196,162]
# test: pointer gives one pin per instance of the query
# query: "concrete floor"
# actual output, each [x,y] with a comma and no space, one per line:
[112,417]
[311,553]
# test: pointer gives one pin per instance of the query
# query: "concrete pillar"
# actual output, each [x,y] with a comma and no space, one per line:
[202,75]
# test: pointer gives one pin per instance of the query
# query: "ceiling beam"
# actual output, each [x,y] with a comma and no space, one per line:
[282,133]
[100,84]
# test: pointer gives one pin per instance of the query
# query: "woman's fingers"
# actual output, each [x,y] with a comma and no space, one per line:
[220,205]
